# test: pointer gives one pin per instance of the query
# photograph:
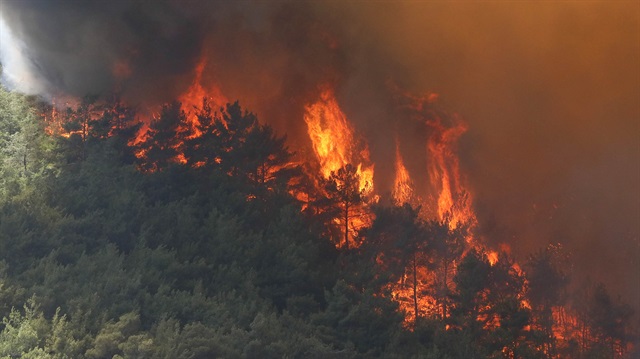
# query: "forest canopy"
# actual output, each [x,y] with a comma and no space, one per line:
[182,246]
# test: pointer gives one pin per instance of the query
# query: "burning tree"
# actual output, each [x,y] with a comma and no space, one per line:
[598,323]
[163,142]
[487,307]
[230,140]
[79,128]
[216,196]
[443,280]
[548,280]
[398,246]
[250,149]
[346,199]
[448,246]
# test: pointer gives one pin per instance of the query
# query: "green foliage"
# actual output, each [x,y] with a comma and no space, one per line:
[359,320]
[213,257]
[163,142]
[25,151]
[28,334]
[548,280]
[343,200]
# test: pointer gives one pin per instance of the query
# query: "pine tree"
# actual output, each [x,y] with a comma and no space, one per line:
[344,193]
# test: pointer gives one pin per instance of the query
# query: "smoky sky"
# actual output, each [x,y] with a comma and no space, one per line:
[550,92]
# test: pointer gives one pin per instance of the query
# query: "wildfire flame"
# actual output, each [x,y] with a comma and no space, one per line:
[55,119]
[335,144]
[492,256]
[448,201]
[192,100]
[453,202]
[403,185]
[333,139]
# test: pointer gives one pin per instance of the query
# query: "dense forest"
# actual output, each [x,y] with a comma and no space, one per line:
[222,245]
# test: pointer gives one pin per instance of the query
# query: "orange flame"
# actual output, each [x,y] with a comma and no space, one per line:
[403,186]
[449,201]
[333,139]
[492,256]
[453,201]
[409,293]
[336,146]
[192,99]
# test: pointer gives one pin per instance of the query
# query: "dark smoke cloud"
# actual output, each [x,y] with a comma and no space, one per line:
[76,46]
[270,55]
[551,92]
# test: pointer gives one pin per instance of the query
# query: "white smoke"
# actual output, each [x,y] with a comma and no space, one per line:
[18,71]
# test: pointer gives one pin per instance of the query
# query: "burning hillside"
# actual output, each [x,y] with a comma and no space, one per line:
[342,116]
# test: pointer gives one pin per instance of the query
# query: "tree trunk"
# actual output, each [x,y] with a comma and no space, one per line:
[346,225]
[415,289]
[445,289]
